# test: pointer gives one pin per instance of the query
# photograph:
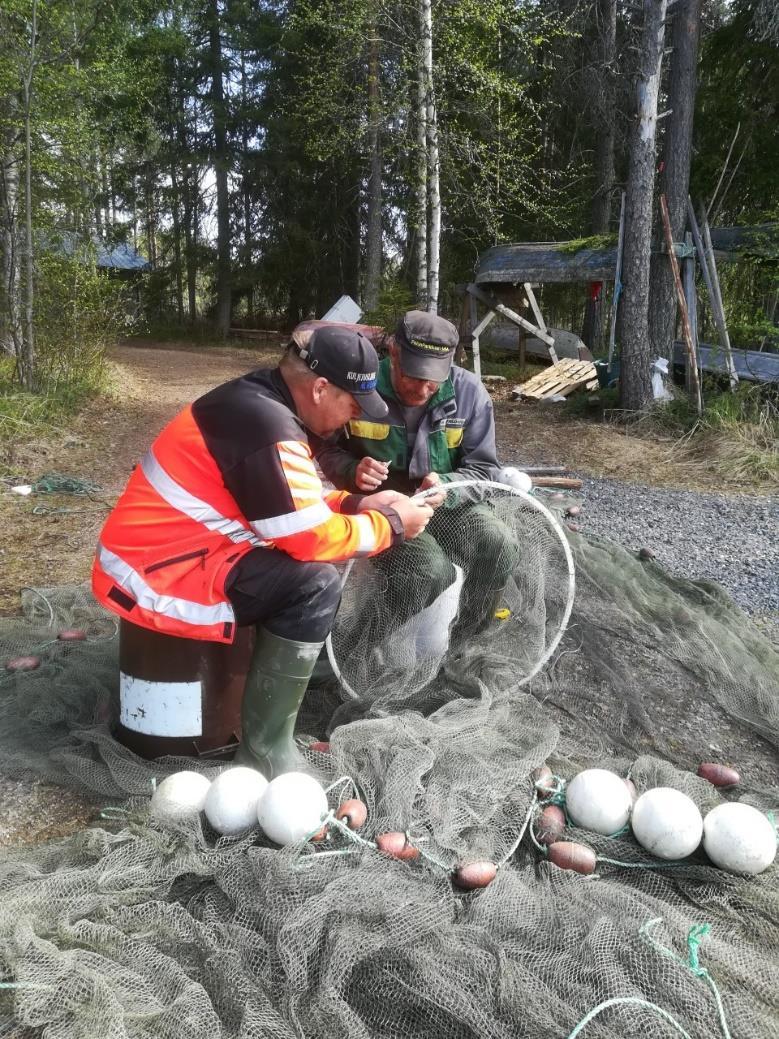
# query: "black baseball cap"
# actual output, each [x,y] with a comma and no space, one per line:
[427,344]
[347,359]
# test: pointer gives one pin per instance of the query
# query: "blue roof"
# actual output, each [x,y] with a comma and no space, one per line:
[123,257]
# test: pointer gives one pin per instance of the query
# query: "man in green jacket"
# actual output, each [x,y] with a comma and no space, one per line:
[440,428]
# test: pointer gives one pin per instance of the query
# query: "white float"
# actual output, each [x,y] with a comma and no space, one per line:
[291,807]
[667,823]
[598,800]
[179,797]
[231,802]
[739,838]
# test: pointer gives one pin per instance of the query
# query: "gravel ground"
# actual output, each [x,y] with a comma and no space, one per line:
[731,540]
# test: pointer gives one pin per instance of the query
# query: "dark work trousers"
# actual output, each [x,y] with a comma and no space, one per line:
[292,599]
[418,571]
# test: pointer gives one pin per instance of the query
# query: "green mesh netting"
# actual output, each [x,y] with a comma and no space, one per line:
[128,929]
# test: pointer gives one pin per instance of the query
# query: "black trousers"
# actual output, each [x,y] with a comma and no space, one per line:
[292,599]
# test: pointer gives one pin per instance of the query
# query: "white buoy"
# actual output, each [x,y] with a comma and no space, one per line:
[739,838]
[598,800]
[667,823]
[291,808]
[180,796]
[231,802]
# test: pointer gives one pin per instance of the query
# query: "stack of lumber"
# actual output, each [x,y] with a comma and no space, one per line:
[559,380]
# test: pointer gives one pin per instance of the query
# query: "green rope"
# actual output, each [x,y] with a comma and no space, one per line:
[643,865]
[631,1000]
[694,939]
[56,483]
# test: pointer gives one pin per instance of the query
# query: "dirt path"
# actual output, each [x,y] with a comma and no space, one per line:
[42,546]
[49,539]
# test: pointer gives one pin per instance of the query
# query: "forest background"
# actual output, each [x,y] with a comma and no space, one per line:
[267,157]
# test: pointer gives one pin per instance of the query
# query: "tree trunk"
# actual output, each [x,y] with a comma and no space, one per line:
[223,272]
[373,237]
[27,358]
[176,214]
[675,175]
[604,155]
[248,279]
[151,235]
[10,312]
[433,165]
[635,381]
[420,218]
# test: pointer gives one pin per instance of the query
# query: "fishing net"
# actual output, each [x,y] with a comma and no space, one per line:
[126,928]
[490,581]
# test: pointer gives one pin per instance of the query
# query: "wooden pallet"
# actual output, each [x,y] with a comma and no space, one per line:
[561,378]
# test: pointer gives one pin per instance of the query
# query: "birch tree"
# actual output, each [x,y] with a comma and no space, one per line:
[433,178]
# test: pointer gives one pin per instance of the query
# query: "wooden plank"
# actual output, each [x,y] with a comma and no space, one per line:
[511,315]
[531,297]
[693,360]
[562,378]
[473,312]
[568,483]
[253,333]
[718,298]
[617,281]
[691,296]
[483,323]
[719,316]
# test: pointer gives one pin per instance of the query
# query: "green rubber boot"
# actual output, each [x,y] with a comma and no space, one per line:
[275,686]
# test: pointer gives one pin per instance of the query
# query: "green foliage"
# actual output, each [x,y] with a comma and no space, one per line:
[80,311]
[395,298]
[595,241]
[739,89]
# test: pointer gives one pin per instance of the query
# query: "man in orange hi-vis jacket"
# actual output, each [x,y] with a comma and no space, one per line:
[225,523]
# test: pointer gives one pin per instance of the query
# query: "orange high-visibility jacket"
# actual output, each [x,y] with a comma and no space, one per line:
[234,471]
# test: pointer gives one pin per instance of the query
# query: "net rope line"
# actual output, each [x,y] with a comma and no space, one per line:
[534,503]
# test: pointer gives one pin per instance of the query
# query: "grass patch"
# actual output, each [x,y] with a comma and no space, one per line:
[498,362]
[736,437]
[26,416]
[737,434]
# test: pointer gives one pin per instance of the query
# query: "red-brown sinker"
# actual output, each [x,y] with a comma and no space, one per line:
[396,846]
[570,855]
[543,780]
[475,875]
[321,746]
[353,812]
[718,775]
[23,663]
[550,825]
[72,635]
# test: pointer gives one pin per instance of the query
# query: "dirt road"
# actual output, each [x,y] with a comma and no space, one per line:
[50,539]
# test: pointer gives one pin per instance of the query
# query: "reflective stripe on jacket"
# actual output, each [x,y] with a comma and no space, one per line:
[234,471]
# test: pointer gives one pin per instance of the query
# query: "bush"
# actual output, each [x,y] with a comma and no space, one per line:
[79,312]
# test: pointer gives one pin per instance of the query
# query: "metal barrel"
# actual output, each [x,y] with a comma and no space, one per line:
[181,696]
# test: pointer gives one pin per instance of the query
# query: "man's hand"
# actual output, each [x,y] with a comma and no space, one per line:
[432,480]
[414,516]
[370,474]
[373,501]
